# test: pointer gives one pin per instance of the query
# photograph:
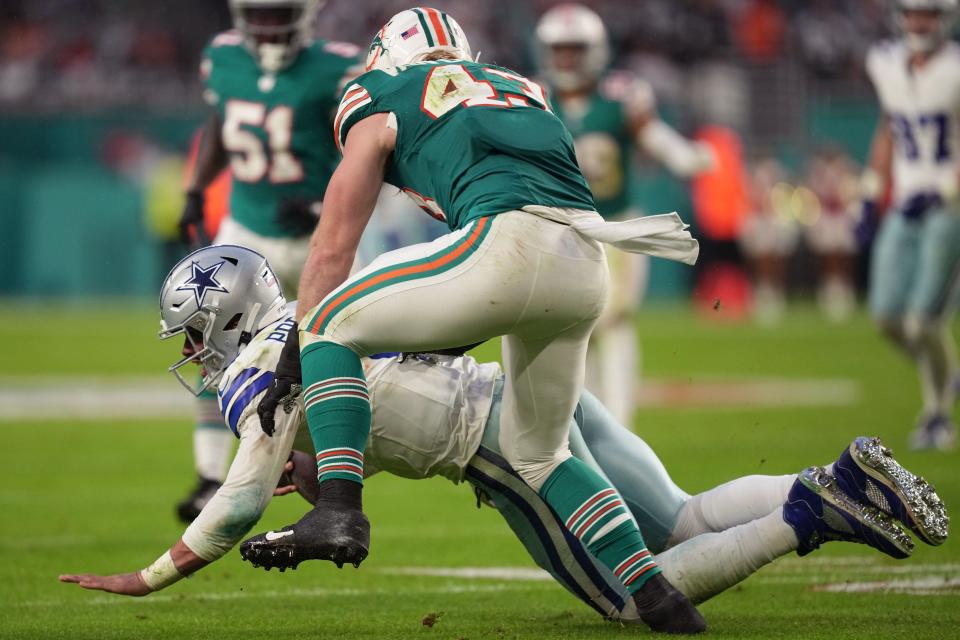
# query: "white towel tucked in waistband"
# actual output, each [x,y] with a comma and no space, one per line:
[661,236]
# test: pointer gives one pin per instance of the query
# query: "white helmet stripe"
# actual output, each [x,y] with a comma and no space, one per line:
[446,23]
[435,27]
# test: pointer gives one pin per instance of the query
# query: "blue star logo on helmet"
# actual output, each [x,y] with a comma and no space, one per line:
[202,280]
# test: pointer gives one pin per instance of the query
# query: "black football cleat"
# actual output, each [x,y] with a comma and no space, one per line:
[190,507]
[666,610]
[341,535]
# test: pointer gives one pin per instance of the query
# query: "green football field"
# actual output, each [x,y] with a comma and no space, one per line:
[86,494]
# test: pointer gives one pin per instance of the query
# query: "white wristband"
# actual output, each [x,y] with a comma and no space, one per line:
[162,573]
[871,184]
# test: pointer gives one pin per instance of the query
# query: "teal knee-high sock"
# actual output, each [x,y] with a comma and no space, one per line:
[338,409]
[595,513]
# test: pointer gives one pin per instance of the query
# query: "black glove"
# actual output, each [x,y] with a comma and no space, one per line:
[192,218]
[296,217]
[286,385]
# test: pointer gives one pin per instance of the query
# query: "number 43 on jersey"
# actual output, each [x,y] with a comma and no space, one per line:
[448,86]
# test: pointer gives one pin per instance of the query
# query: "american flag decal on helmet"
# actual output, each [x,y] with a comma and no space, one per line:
[409,33]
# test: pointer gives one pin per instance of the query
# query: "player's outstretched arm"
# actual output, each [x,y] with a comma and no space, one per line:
[347,206]
[683,157]
[179,561]
[229,515]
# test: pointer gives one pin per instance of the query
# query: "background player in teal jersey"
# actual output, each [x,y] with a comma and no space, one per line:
[478,147]
[610,115]
[274,90]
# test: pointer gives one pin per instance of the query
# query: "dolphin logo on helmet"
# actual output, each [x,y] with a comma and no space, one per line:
[415,35]
[217,298]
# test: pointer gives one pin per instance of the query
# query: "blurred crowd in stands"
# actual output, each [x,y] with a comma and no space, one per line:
[90,54]
[756,72]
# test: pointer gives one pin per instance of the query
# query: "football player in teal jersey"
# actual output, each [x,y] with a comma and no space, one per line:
[479,147]
[610,114]
[273,90]
[705,543]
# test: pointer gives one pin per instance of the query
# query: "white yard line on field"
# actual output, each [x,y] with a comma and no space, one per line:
[93,398]
[929,586]
[862,567]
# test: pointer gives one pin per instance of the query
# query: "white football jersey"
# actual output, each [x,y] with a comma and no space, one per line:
[429,414]
[923,106]
[428,419]
[259,460]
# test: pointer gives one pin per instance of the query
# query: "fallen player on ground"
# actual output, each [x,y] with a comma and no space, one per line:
[438,415]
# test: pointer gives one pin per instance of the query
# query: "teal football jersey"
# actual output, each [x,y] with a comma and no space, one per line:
[473,140]
[276,129]
[603,138]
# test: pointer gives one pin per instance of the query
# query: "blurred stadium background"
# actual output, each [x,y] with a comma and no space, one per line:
[99,101]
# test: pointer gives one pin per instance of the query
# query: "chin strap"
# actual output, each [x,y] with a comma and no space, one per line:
[247,334]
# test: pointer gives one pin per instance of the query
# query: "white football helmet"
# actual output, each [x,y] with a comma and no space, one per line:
[275,31]
[217,297]
[414,34]
[926,42]
[572,25]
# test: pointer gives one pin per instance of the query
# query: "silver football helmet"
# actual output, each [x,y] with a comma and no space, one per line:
[925,41]
[274,31]
[217,297]
[572,25]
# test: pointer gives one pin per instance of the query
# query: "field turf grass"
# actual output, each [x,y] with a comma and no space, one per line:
[87,496]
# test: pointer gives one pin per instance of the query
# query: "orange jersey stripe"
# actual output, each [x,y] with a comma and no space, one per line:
[398,273]
[343,112]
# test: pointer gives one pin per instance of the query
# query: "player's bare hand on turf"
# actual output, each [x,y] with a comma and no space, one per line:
[286,386]
[125,584]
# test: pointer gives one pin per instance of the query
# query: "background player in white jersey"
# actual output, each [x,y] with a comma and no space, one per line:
[439,415]
[610,115]
[916,151]
[273,89]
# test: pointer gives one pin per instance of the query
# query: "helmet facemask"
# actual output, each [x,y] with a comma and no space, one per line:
[567,66]
[198,334]
[217,298]
[274,31]
[925,24]
[573,47]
